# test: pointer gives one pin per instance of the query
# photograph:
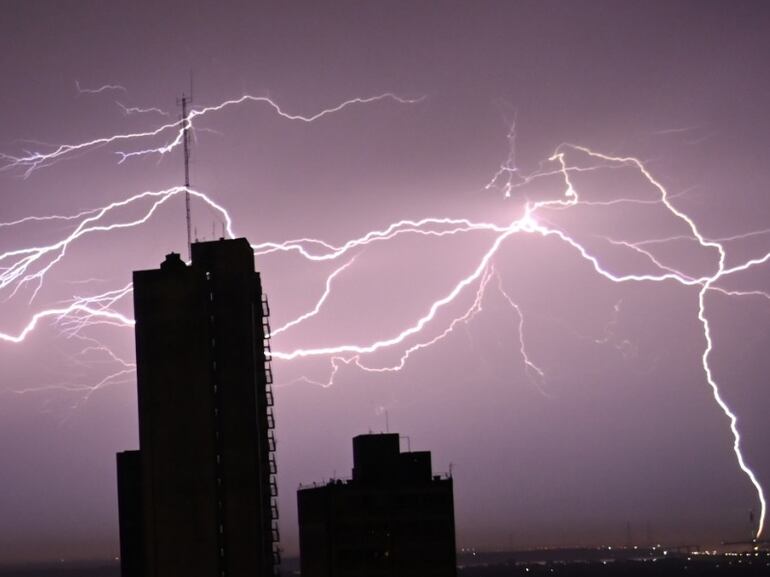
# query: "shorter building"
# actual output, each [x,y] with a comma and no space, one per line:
[393,518]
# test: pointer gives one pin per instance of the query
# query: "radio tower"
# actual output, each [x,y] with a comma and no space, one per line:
[186,148]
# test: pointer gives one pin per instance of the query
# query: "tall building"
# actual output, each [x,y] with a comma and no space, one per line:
[198,499]
[394,518]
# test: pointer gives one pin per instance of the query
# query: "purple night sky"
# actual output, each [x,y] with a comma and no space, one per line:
[601,416]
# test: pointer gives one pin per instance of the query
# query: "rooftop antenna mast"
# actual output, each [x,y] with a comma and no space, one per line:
[186,146]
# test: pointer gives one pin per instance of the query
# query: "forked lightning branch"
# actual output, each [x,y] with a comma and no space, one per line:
[23,271]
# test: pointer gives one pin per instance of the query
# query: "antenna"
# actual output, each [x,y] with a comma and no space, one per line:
[186,146]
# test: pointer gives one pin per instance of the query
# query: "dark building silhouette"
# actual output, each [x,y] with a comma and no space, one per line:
[393,519]
[198,499]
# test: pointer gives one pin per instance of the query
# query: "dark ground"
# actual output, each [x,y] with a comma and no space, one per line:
[95,569]
[494,566]
[625,568]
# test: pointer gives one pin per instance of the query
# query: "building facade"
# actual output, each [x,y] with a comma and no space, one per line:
[198,499]
[394,518]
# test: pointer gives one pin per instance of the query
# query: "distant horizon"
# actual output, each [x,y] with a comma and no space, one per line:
[293,560]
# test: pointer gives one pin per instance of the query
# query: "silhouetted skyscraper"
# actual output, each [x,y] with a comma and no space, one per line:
[393,519]
[199,497]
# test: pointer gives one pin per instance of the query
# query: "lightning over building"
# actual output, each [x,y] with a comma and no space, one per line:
[30,266]
[594,312]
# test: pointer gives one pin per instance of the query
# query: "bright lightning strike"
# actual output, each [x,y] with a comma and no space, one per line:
[25,267]
[72,311]
[30,162]
[29,266]
[302,318]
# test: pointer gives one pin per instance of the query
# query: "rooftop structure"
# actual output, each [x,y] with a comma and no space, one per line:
[394,518]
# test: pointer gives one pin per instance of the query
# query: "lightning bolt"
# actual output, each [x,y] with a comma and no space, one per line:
[317,308]
[30,162]
[73,310]
[470,313]
[24,267]
[129,110]
[531,366]
[19,266]
[100,89]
